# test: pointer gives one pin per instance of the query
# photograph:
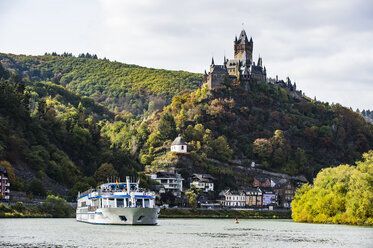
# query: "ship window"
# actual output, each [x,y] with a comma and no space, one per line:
[120,203]
[123,218]
[111,203]
[140,218]
[139,203]
[146,203]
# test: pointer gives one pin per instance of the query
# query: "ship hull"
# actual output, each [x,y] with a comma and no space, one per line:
[120,216]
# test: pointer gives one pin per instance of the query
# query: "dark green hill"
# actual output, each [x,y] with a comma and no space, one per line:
[116,85]
[52,141]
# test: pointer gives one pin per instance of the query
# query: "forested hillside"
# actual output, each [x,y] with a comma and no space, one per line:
[265,124]
[55,145]
[116,85]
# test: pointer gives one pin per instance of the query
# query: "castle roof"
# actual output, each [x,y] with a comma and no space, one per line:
[243,37]
[178,141]
[219,69]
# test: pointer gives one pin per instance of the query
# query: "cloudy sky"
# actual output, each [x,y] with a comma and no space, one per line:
[326,46]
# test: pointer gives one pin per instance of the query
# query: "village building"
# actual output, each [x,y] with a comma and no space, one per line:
[254,197]
[171,182]
[269,196]
[178,145]
[234,199]
[4,184]
[203,182]
[261,182]
[285,192]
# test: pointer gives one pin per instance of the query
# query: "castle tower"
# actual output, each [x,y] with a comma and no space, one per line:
[243,48]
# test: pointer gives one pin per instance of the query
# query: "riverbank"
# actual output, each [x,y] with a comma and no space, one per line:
[223,213]
[53,206]
[20,211]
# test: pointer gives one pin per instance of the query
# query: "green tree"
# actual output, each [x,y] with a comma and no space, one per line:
[221,149]
[192,198]
[167,127]
[57,207]
[343,194]
[36,188]
[105,171]
[262,148]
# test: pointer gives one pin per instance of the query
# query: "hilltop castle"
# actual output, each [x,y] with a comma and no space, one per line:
[241,67]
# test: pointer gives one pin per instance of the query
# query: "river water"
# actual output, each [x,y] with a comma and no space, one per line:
[181,233]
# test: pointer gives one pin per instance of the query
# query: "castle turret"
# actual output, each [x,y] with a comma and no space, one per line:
[212,64]
[260,62]
[243,45]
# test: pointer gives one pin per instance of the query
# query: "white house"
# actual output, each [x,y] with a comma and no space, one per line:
[178,145]
[172,182]
[4,184]
[203,182]
[234,199]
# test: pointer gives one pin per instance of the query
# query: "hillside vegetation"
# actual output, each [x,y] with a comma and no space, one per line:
[265,124]
[116,85]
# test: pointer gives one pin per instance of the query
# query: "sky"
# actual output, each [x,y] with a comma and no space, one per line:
[325,46]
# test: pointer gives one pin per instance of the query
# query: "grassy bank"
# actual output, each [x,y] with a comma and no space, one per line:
[241,214]
[20,211]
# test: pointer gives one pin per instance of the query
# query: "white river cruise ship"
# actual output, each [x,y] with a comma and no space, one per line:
[117,204]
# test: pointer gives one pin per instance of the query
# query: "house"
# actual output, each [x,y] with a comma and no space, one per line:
[285,192]
[4,184]
[178,145]
[171,182]
[234,199]
[203,182]
[277,181]
[261,182]
[269,196]
[254,197]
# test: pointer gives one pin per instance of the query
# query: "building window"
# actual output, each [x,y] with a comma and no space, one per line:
[182,147]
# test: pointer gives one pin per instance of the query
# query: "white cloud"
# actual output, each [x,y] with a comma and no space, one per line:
[325,46]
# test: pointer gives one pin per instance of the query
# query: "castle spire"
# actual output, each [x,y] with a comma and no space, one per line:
[243,37]
[260,62]
[212,61]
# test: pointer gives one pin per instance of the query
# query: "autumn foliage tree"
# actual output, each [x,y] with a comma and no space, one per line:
[342,194]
